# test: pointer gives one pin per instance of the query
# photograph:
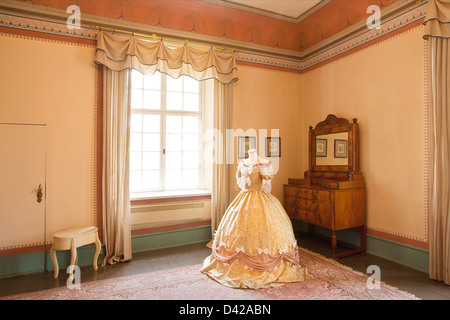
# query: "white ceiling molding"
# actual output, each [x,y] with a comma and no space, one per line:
[286,10]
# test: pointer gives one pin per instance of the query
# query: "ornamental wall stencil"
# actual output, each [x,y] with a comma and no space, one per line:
[225,29]
[159,16]
[194,23]
[381,3]
[87,6]
[301,41]
[321,32]
[120,10]
[278,40]
[348,17]
[252,34]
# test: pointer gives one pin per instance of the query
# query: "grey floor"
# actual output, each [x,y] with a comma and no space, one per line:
[396,275]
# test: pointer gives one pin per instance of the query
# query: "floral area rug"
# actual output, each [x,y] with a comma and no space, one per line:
[326,280]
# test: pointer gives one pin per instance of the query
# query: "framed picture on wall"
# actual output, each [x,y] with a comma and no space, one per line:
[273,147]
[321,148]
[340,148]
[245,144]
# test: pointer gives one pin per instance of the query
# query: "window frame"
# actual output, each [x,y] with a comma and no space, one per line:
[163,112]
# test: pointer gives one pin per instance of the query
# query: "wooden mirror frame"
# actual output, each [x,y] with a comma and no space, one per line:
[330,125]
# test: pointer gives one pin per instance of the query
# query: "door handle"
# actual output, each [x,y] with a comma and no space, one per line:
[39,194]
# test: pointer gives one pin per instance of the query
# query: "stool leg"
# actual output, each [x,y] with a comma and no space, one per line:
[55,262]
[73,257]
[98,247]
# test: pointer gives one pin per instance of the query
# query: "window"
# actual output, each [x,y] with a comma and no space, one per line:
[166,126]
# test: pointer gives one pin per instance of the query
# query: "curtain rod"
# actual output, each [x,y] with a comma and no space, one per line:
[155,37]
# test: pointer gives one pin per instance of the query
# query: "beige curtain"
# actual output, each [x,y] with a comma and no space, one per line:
[222,154]
[116,141]
[437,32]
[119,52]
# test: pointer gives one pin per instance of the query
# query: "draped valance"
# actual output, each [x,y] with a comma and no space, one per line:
[119,52]
[437,21]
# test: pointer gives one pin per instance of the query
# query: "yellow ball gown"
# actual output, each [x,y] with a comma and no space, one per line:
[254,246]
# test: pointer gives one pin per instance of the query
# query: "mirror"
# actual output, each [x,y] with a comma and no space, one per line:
[332,149]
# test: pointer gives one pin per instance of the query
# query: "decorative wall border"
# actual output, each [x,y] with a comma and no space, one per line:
[397,237]
[38,25]
[407,19]
[388,27]
[426,146]
[296,64]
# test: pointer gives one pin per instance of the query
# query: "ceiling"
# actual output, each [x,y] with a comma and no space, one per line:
[288,10]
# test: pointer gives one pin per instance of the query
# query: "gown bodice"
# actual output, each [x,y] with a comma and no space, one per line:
[255,177]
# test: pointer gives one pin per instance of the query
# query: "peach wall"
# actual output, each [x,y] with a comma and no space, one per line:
[53,83]
[270,99]
[383,87]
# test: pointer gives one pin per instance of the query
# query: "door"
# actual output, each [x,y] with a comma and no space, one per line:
[22,187]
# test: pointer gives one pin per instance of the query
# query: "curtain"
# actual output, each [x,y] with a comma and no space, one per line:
[116,142]
[437,32]
[119,52]
[222,162]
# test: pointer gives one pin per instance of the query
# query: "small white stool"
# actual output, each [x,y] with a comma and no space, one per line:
[71,239]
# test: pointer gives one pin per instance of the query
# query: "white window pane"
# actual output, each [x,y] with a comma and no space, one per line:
[152,99]
[151,161]
[190,178]
[173,160]
[151,142]
[136,79]
[190,124]
[136,98]
[190,160]
[152,81]
[174,142]
[174,84]
[191,102]
[150,180]
[190,142]
[174,101]
[136,141]
[135,181]
[173,124]
[152,123]
[191,85]
[135,161]
[174,179]
[136,122]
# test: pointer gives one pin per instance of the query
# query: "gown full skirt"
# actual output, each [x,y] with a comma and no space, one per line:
[254,246]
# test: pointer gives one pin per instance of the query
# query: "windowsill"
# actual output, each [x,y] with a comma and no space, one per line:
[170,195]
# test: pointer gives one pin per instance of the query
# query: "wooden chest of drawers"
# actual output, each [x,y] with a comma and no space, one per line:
[332,194]
[334,209]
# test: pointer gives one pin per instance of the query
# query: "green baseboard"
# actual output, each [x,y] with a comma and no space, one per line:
[409,256]
[168,239]
[34,261]
[412,257]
